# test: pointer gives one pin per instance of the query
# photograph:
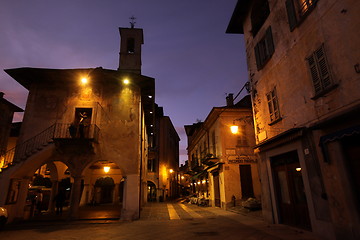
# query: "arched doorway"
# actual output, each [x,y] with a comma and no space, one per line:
[151,192]
[104,189]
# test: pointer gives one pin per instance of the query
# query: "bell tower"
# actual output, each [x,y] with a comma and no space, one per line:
[130,48]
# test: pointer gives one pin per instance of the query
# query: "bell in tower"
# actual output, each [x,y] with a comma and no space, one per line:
[130,48]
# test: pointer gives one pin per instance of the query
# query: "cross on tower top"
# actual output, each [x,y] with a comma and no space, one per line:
[132,23]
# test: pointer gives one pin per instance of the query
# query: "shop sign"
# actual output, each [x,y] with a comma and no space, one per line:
[241,159]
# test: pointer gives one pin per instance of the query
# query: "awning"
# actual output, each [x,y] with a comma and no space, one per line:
[340,135]
[324,140]
[206,170]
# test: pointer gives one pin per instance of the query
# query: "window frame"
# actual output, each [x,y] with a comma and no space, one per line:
[319,71]
[264,49]
[273,106]
[259,13]
[296,13]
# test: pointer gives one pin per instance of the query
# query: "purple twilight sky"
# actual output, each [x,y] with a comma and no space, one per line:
[194,62]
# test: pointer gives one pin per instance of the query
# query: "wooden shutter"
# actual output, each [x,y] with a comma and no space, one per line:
[269,42]
[270,105]
[323,67]
[291,13]
[314,74]
[257,56]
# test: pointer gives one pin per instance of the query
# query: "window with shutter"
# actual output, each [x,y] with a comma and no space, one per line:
[319,71]
[273,106]
[297,11]
[264,49]
[259,13]
[291,12]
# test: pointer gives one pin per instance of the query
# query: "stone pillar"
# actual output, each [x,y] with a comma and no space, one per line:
[54,191]
[116,194]
[75,198]
[85,198]
[4,187]
[21,199]
[130,209]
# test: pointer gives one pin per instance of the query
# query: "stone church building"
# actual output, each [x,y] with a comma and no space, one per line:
[88,131]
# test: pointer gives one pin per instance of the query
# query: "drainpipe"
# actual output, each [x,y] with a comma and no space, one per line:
[141,155]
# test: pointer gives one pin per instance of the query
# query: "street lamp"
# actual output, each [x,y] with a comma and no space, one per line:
[84,80]
[235,128]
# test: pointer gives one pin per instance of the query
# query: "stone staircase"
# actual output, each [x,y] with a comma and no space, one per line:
[26,149]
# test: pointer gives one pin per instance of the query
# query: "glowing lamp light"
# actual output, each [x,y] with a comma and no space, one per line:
[84,80]
[198,182]
[234,129]
[203,181]
[106,169]
[171,171]
[182,177]
[298,169]
[126,81]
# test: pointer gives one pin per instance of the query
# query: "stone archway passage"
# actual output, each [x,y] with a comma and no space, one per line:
[104,188]
[151,192]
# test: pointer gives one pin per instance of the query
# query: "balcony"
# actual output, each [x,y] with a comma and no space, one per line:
[69,138]
[70,131]
[209,160]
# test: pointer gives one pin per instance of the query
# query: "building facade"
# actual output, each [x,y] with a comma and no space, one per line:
[223,165]
[303,66]
[86,131]
[7,110]
[163,160]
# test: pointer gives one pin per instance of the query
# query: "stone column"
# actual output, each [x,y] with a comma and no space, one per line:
[130,209]
[54,191]
[21,198]
[116,194]
[85,198]
[75,198]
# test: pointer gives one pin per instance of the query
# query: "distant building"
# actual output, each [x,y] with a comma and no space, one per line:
[7,110]
[304,72]
[88,133]
[163,160]
[223,164]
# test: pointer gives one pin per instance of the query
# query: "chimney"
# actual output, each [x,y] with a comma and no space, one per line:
[230,100]
[1,95]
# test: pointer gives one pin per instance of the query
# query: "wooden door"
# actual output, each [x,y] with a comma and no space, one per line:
[246,183]
[290,192]
[217,189]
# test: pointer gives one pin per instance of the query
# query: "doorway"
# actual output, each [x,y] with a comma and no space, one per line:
[82,121]
[289,190]
[246,183]
[217,197]
[151,192]
[104,190]
[351,148]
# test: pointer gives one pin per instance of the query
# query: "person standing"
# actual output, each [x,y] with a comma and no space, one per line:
[39,199]
[59,202]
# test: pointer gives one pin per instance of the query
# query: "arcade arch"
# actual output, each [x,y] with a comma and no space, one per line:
[151,191]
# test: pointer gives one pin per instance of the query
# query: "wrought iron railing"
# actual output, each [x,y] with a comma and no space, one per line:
[66,130]
[57,131]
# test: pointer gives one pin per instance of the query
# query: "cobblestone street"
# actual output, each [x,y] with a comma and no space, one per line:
[158,221]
